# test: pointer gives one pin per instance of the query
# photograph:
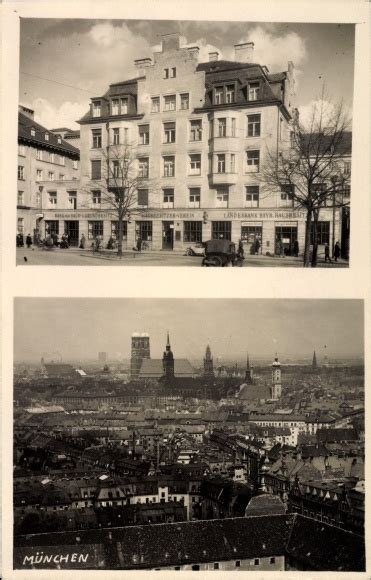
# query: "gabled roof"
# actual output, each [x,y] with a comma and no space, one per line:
[25,125]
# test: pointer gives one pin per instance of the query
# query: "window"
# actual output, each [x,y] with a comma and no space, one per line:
[211,129]
[170,103]
[39,155]
[143,167]
[221,198]
[75,164]
[126,133]
[20,198]
[169,166]
[168,200]
[346,167]
[72,199]
[155,104]
[115,107]
[116,136]
[165,73]
[233,127]
[194,197]
[233,163]
[169,132]
[51,175]
[96,169]
[195,164]
[96,138]
[39,174]
[253,125]
[52,198]
[143,134]
[96,109]
[253,91]
[230,94]
[115,168]
[33,132]
[114,234]
[323,233]
[256,562]
[173,72]
[287,193]
[61,177]
[21,172]
[221,230]
[21,150]
[222,127]
[346,189]
[195,567]
[96,198]
[252,196]
[272,560]
[184,101]
[20,225]
[124,102]
[52,227]
[144,229]
[221,162]
[216,565]
[219,95]
[192,232]
[196,130]
[95,229]
[38,198]
[143,197]
[46,136]
[238,564]
[253,160]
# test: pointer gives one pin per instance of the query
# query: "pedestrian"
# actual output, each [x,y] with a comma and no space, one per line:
[337,251]
[257,246]
[29,241]
[327,253]
[139,243]
[296,248]
[82,242]
[20,242]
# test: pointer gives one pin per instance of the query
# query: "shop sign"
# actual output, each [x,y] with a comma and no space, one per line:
[166,215]
[274,215]
[88,215]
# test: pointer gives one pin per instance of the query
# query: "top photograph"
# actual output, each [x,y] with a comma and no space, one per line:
[184,143]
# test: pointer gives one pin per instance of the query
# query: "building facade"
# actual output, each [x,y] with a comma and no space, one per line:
[48,174]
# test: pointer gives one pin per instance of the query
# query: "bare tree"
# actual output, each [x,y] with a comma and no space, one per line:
[124,185]
[310,166]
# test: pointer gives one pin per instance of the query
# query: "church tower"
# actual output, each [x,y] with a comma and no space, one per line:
[314,361]
[208,364]
[139,351]
[249,372]
[168,361]
[276,387]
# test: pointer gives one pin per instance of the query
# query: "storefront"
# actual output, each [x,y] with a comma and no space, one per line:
[261,231]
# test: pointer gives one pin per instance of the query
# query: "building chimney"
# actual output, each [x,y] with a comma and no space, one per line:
[141,64]
[26,111]
[244,52]
[194,51]
[213,56]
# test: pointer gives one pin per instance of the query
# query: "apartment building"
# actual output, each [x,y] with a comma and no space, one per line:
[48,172]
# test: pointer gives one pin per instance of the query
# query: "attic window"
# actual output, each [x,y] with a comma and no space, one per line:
[33,132]
[59,140]
[46,137]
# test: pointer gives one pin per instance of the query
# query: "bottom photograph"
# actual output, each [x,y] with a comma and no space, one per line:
[189,434]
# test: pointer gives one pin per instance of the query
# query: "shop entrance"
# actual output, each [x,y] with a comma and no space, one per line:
[167,235]
[71,229]
[286,236]
[251,236]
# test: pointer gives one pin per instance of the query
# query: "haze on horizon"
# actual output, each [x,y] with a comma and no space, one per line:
[78,328]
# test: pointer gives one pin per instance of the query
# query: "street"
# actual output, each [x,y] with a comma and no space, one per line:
[77,257]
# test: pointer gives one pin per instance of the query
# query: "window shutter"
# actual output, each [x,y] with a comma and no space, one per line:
[96,169]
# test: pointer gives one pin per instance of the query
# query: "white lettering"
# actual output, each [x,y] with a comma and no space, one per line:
[83,558]
[56,559]
[64,558]
[28,560]
[73,557]
[47,559]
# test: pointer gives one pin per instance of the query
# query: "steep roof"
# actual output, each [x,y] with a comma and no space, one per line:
[264,504]
[24,134]
[153,368]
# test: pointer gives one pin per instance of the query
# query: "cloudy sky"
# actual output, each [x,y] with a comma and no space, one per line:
[83,57]
[79,328]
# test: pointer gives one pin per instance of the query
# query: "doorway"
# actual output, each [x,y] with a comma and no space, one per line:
[287,235]
[71,229]
[167,235]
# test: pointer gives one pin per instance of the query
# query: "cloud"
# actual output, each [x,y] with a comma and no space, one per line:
[204,47]
[51,116]
[310,113]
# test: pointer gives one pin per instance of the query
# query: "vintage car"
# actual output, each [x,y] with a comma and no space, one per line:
[196,249]
[221,253]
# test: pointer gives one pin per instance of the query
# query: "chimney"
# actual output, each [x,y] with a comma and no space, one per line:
[194,51]
[26,111]
[213,56]
[170,41]
[141,64]
[244,52]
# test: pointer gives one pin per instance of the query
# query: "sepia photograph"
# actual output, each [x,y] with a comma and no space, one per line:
[189,434]
[184,143]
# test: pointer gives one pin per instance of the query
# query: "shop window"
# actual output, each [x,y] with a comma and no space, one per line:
[221,230]
[253,125]
[169,132]
[192,232]
[170,103]
[195,164]
[253,161]
[142,197]
[169,166]
[194,197]
[116,136]
[96,169]
[221,162]
[143,167]
[155,104]
[168,198]
[72,199]
[21,172]
[184,101]
[254,91]
[323,233]
[20,198]
[144,229]
[143,134]
[95,228]
[96,138]
[52,227]
[222,127]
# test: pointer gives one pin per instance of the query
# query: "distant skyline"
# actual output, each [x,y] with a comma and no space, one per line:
[84,56]
[79,328]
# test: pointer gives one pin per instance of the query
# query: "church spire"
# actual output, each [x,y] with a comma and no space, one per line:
[314,361]
[208,363]
[249,372]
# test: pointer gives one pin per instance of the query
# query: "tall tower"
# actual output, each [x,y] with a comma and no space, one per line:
[314,361]
[276,387]
[208,364]
[249,372]
[139,351]
[168,361]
